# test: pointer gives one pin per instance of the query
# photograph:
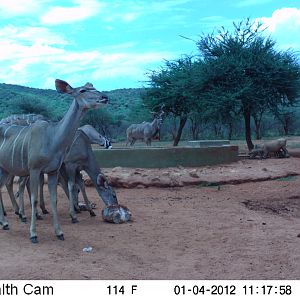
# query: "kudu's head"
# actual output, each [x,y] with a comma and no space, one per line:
[105,190]
[95,137]
[86,96]
[158,118]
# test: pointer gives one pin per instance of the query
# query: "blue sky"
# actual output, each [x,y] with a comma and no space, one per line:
[113,43]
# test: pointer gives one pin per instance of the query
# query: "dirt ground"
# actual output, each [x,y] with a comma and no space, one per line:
[231,230]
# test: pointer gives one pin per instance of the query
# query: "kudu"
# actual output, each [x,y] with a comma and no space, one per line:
[145,131]
[79,157]
[41,148]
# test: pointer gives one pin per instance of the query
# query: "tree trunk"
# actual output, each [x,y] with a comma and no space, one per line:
[257,122]
[247,118]
[286,129]
[230,130]
[195,127]
[182,122]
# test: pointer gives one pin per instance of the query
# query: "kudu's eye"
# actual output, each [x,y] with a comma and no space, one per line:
[82,91]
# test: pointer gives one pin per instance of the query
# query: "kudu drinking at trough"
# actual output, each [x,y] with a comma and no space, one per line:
[145,131]
[41,148]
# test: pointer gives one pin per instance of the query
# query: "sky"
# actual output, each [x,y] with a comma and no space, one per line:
[114,44]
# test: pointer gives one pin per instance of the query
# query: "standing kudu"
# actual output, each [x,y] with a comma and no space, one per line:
[145,131]
[41,148]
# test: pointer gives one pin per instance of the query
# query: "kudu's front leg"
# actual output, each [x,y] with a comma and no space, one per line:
[52,185]
[34,189]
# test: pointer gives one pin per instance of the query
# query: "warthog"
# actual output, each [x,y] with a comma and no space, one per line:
[277,147]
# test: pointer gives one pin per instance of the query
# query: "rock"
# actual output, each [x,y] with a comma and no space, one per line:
[194,174]
[116,169]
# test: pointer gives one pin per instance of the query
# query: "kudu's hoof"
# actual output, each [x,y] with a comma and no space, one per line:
[39,217]
[5,227]
[34,240]
[17,213]
[92,214]
[74,220]
[45,211]
[4,213]
[23,219]
[61,237]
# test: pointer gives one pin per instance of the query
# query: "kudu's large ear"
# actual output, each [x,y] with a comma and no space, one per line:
[63,87]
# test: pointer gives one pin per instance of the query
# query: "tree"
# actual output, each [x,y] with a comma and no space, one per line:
[286,116]
[243,70]
[173,87]
[100,119]
[23,105]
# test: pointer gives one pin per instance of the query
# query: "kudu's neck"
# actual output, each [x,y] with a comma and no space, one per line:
[155,124]
[67,126]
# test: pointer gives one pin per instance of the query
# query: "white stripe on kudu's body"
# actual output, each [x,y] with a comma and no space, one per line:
[13,149]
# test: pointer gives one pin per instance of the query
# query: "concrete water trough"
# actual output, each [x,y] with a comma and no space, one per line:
[164,157]
[208,143]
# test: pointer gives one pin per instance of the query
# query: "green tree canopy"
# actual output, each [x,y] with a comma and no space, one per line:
[243,73]
[173,87]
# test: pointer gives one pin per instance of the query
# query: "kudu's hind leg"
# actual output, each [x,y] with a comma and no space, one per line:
[3,221]
[22,183]
[72,195]
[80,182]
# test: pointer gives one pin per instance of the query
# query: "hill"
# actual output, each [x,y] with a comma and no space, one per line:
[15,99]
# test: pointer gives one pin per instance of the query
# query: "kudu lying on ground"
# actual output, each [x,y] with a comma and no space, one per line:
[41,148]
[145,131]
[277,147]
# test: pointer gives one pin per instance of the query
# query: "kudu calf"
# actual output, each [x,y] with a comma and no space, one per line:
[145,131]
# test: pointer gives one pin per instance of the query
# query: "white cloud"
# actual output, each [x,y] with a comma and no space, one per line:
[63,15]
[283,19]
[129,17]
[32,35]
[20,7]
[284,27]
